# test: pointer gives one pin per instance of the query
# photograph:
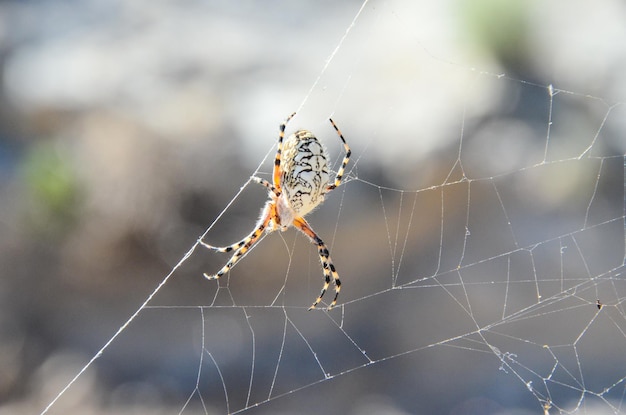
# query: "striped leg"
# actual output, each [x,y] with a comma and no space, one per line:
[345,161]
[281,136]
[327,264]
[267,184]
[240,249]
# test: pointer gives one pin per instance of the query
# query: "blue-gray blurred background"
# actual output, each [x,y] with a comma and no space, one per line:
[481,219]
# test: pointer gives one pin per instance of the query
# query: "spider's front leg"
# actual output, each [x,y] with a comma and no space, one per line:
[240,247]
[327,264]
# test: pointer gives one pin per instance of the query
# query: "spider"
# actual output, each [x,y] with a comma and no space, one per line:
[300,181]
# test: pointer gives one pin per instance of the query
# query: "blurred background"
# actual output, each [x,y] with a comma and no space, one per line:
[126,128]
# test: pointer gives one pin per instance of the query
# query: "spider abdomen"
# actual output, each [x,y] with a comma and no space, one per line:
[305,177]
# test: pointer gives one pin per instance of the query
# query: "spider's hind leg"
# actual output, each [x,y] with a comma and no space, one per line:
[345,161]
[267,184]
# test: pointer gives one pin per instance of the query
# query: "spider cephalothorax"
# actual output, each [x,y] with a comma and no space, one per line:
[299,183]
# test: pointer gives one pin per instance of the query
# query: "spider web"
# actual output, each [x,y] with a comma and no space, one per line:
[479,235]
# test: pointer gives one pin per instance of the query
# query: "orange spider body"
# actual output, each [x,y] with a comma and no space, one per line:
[300,182]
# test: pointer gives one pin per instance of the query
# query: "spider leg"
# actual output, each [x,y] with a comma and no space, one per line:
[281,136]
[267,184]
[240,248]
[327,264]
[228,248]
[345,161]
